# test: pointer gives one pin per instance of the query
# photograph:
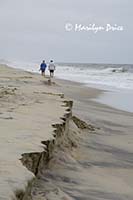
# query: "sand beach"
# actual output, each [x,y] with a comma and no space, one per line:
[57,143]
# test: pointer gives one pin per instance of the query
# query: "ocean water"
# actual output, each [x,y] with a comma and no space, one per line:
[116,78]
[105,75]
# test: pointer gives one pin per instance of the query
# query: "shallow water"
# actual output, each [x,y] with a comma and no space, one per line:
[122,100]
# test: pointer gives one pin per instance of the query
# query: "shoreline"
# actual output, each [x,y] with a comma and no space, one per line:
[91,149]
[121,100]
[119,96]
[111,97]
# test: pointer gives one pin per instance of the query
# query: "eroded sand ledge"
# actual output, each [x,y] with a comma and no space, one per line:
[101,166]
[39,162]
[37,132]
[28,108]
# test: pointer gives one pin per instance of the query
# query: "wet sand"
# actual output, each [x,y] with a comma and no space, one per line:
[106,156]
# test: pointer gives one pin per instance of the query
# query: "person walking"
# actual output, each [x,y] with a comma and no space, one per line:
[51,68]
[43,67]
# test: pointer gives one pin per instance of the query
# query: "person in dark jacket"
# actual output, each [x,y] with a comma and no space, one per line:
[43,68]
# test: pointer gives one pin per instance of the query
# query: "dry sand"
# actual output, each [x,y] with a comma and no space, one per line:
[28,108]
[98,166]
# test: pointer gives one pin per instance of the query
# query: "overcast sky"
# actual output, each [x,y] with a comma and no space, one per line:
[32,30]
